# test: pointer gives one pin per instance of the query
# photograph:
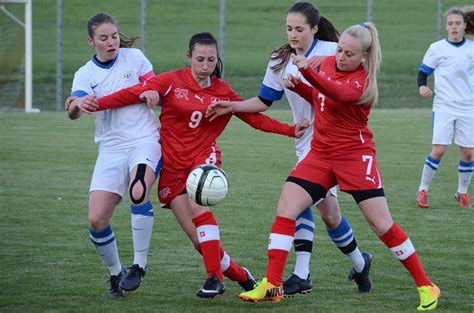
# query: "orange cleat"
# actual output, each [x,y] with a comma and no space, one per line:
[422,199]
[463,199]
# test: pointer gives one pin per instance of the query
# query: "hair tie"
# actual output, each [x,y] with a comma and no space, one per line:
[364,25]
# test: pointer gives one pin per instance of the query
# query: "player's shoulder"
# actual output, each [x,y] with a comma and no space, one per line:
[324,47]
[86,70]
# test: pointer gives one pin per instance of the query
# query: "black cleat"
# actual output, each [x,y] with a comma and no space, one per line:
[249,283]
[212,287]
[133,279]
[362,279]
[293,285]
[115,292]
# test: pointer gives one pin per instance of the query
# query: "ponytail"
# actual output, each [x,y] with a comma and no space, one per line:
[369,39]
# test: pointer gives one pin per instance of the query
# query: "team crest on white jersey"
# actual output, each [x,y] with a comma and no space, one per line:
[127,75]
[181,93]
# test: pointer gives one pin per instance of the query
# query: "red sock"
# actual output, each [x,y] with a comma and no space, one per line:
[231,269]
[399,243]
[279,244]
[208,236]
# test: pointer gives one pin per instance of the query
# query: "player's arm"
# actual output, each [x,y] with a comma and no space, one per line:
[422,80]
[75,106]
[222,107]
[142,92]
[294,84]
[341,92]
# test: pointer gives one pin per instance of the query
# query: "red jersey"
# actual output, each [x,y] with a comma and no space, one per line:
[341,125]
[185,132]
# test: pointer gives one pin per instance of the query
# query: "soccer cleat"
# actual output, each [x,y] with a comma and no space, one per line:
[362,279]
[133,279]
[422,199]
[463,199]
[212,287]
[429,296]
[249,283]
[115,292]
[294,284]
[263,291]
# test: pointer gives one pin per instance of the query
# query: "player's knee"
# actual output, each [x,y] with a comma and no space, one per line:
[96,223]
[138,188]
[438,152]
[466,154]
[331,220]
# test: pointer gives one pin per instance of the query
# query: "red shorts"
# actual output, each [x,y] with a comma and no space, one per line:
[356,172]
[172,182]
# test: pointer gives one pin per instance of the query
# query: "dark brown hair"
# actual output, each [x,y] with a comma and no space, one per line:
[103,18]
[326,31]
[207,39]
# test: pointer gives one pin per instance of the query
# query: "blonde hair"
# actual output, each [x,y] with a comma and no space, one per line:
[369,40]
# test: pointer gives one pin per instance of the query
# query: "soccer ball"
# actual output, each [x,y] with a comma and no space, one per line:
[207,185]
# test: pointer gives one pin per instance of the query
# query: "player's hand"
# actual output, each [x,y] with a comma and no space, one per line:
[315,61]
[68,102]
[150,97]
[300,61]
[425,91]
[301,127]
[291,81]
[218,108]
[87,104]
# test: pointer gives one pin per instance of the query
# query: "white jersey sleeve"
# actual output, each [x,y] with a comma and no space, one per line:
[271,88]
[81,85]
[144,65]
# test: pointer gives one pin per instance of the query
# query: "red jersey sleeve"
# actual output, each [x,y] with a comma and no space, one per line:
[350,91]
[307,92]
[267,124]
[161,83]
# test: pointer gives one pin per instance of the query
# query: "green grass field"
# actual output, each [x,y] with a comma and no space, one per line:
[50,265]
[253,30]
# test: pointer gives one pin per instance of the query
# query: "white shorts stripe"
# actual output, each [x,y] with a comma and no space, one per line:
[208,233]
[280,242]
[403,251]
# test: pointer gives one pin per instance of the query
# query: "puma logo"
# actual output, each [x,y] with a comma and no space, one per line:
[372,179]
[200,99]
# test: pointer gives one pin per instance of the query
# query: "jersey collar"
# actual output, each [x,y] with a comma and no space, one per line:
[311,48]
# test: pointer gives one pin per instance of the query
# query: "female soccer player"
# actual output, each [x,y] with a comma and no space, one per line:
[129,149]
[188,140]
[451,60]
[313,36]
[342,152]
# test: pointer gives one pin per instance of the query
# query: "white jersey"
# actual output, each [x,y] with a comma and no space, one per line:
[123,127]
[453,67]
[272,89]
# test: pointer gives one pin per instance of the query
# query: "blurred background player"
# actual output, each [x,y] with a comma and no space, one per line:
[129,149]
[188,140]
[315,37]
[342,152]
[451,60]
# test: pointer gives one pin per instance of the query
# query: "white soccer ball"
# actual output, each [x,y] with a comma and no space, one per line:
[207,185]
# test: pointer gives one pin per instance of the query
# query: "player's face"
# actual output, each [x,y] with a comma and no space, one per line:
[349,53]
[106,42]
[203,61]
[299,32]
[455,27]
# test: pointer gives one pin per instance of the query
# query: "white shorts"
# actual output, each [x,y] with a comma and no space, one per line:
[446,126]
[113,166]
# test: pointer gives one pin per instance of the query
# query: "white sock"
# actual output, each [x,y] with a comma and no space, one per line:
[142,227]
[106,247]
[429,171]
[464,175]
[357,260]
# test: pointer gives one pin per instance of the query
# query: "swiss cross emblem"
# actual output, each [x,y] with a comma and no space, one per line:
[165,192]
[202,234]
[399,252]
[181,93]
